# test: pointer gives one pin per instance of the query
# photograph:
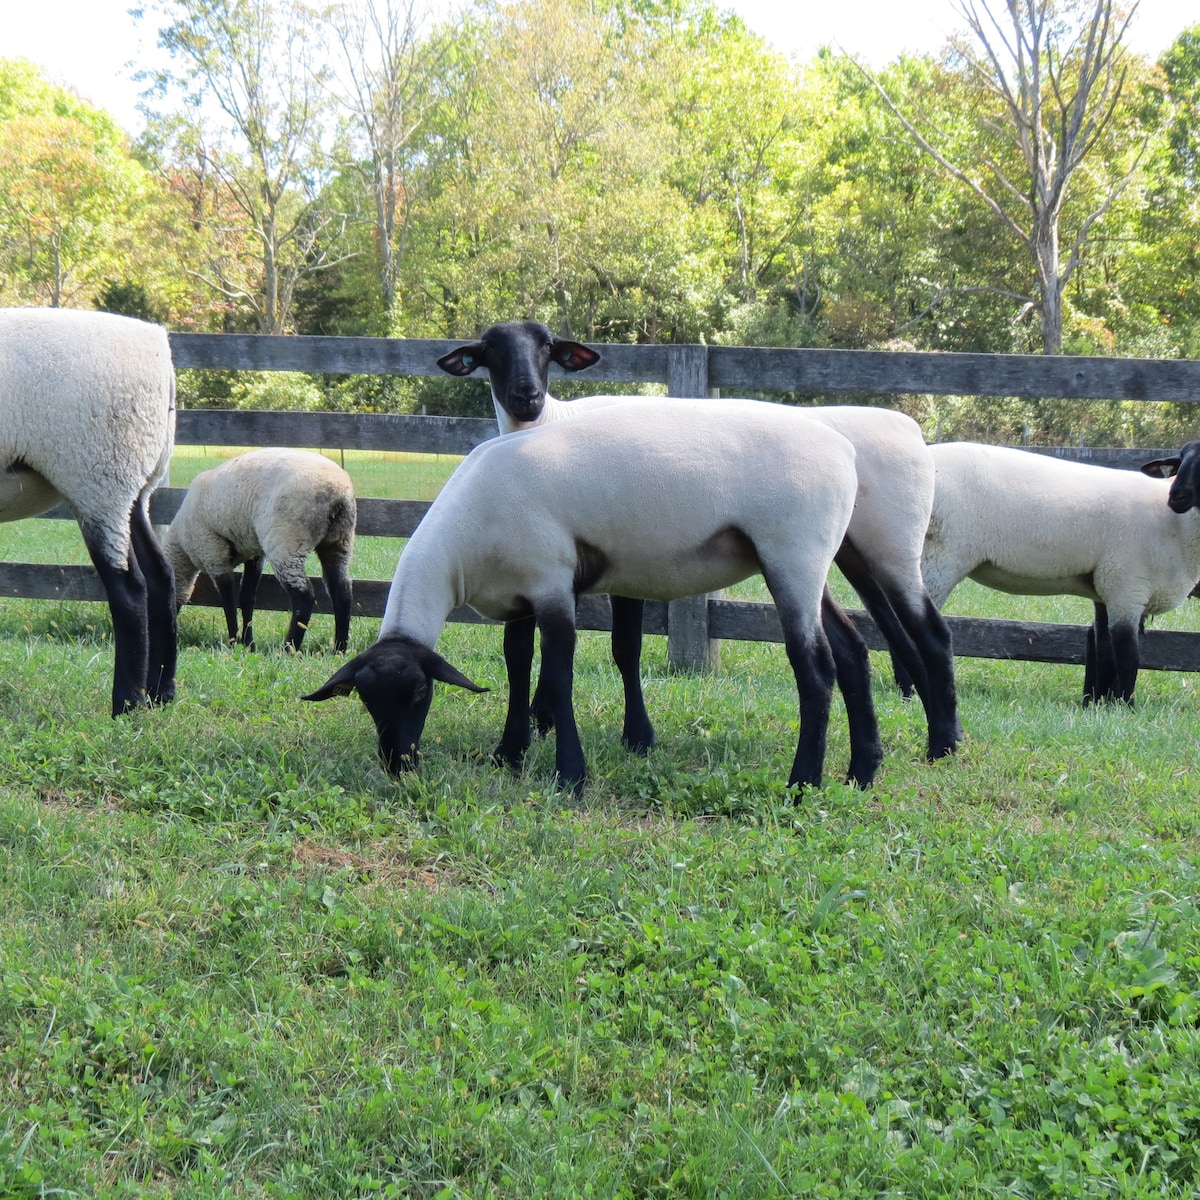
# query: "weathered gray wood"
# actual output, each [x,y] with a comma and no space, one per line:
[689,647]
[1030,641]
[376,518]
[737,368]
[886,372]
[1118,458]
[687,370]
[380,356]
[346,431]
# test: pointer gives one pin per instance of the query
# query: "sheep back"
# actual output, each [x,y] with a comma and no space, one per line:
[1029,523]
[87,414]
[277,503]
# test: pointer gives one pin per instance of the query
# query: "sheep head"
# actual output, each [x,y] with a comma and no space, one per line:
[517,357]
[1184,468]
[394,679]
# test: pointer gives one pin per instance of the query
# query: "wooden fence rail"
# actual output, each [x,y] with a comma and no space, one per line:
[692,626]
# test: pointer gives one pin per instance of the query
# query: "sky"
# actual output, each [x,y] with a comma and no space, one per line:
[94,47]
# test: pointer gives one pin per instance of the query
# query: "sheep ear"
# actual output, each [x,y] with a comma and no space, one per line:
[340,683]
[1162,468]
[572,356]
[442,671]
[464,359]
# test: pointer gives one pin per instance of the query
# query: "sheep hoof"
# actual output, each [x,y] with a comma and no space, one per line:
[861,774]
[509,754]
[574,786]
[937,750]
[637,745]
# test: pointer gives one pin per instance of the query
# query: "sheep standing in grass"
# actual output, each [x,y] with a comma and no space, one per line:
[1034,525]
[669,499]
[881,554]
[87,416]
[276,504]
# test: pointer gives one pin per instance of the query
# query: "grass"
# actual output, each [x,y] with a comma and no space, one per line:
[236,959]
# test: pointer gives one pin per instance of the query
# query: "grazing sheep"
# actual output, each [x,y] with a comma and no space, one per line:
[1034,525]
[87,416]
[275,504]
[667,500]
[881,554]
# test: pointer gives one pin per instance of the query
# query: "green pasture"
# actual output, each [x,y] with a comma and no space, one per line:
[238,960]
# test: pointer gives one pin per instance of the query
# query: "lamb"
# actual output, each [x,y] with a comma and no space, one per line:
[87,416]
[1034,525]
[880,556]
[275,504]
[666,500]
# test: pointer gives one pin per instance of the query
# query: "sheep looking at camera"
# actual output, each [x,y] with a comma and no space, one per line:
[881,554]
[87,416]
[276,504]
[1034,525]
[669,499]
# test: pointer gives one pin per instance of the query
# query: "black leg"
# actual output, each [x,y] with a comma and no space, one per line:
[227,584]
[854,682]
[920,641]
[162,630]
[302,600]
[813,665]
[1124,639]
[125,588]
[336,573]
[252,571]
[518,659]
[557,628]
[637,733]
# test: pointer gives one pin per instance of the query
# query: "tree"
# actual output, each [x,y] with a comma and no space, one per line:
[72,197]
[1169,251]
[381,82]
[544,182]
[252,62]
[1049,77]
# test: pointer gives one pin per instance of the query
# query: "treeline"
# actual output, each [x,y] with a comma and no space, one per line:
[629,170]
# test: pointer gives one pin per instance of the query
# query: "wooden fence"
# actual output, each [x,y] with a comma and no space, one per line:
[693,626]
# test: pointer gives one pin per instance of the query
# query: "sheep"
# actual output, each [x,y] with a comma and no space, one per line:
[881,555]
[1030,524]
[667,500]
[87,416]
[275,504]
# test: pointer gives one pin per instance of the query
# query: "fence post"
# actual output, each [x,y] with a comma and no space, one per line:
[689,648]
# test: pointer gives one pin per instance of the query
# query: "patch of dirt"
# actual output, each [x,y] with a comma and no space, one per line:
[380,866]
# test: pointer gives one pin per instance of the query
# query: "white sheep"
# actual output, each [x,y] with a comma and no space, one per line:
[668,500]
[881,554]
[276,504]
[1030,524]
[87,416]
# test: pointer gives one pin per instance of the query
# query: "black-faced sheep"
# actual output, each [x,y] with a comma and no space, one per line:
[880,556]
[87,416]
[276,504]
[670,499]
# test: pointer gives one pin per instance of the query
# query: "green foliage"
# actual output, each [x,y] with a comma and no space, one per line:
[73,199]
[287,391]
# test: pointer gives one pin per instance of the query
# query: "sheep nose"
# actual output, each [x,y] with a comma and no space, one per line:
[526,401]
[1181,499]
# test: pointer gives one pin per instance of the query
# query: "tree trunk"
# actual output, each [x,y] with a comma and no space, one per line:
[1049,282]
